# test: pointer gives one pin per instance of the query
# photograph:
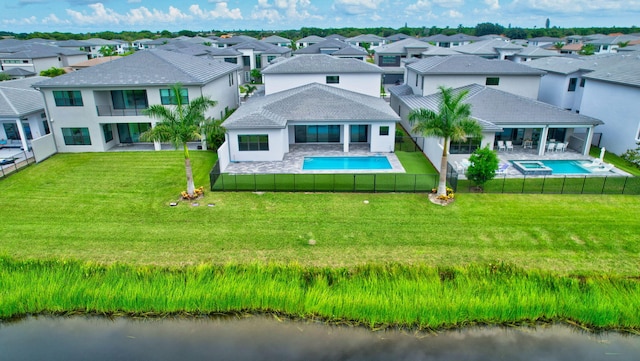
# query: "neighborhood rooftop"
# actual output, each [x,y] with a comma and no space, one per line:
[311,102]
[18,98]
[320,63]
[150,67]
[470,64]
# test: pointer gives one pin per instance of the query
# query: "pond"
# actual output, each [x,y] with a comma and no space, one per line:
[268,338]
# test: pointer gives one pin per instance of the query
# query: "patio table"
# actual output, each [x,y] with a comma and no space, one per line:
[527,144]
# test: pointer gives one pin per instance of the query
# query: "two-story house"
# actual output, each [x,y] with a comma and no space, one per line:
[257,55]
[390,57]
[35,57]
[334,47]
[98,108]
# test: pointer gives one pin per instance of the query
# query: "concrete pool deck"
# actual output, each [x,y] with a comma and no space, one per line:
[292,162]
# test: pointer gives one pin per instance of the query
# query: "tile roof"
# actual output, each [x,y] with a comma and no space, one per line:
[18,98]
[261,46]
[557,64]
[470,64]
[38,51]
[312,102]
[400,47]
[145,68]
[324,44]
[498,108]
[487,47]
[274,39]
[626,71]
[320,63]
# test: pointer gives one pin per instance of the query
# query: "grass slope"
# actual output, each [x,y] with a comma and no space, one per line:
[114,208]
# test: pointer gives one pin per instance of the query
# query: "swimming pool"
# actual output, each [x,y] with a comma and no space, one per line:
[555,167]
[346,163]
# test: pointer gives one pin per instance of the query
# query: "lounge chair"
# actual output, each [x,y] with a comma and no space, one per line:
[502,169]
[509,145]
[501,145]
[605,167]
[594,163]
[551,146]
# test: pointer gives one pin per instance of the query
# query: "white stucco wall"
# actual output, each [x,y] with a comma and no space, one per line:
[554,90]
[278,145]
[43,147]
[365,83]
[526,86]
[618,107]
[382,143]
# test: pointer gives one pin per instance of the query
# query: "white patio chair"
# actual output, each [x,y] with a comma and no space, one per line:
[501,145]
[551,146]
[509,145]
[560,147]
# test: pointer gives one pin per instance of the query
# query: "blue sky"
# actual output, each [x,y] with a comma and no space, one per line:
[79,16]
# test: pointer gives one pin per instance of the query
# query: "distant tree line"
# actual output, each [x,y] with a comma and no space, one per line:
[478,30]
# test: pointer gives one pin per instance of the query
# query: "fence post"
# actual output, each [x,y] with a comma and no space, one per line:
[524,180]
[255,183]
[563,182]
[415,182]
[584,180]
[395,182]
[603,184]
[374,183]
[624,185]
[334,183]
[544,179]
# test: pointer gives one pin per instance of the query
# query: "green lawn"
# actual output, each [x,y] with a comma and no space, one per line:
[114,207]
[617,161]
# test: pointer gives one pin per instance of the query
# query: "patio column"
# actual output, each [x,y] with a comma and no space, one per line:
[23,136]
[543,140]
[587,141]
[156,144]
[347,136]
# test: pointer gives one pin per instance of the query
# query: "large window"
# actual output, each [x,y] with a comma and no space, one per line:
[359,133]
[129,99]
[389,60]
[11,130]
[253,142]
[492,81]
[108,132]
[317,133]
[68,98]
[130,132]
[333,79]
[572,84]
[76,136]
[231,60]
[168,96]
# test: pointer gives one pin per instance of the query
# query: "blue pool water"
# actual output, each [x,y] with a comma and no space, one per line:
[346,163]
[565,166]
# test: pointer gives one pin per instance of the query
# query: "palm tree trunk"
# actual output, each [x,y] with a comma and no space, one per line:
[191,188]
[442,183]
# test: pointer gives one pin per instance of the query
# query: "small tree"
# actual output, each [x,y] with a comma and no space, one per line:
[484,163]
[588,49]
[4,76]
[632,155]
[53,72]
[256,76]
[107,50]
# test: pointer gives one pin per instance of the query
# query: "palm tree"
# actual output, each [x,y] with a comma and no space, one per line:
[452,121]
[179,124]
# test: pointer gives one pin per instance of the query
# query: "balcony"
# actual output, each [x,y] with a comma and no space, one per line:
[109,111]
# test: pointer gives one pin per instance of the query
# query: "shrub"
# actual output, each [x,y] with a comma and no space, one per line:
[632,155]
[484,163]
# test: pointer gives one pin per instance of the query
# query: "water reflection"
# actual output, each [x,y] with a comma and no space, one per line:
[264,338]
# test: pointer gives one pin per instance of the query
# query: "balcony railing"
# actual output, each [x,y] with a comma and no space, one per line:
[109,111]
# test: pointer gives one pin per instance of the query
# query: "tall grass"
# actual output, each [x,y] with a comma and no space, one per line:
[373,295]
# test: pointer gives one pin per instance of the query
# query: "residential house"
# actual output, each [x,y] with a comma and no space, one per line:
[609,44]
[277,41]
[101,107]
[308,41]
[529,53]
[257,55]
[562,85]
[35,57]
[18,73]
[349,74]
[544,41]
[336,37]
[95,46]
[450,41]
[491,49]
[227,42]
[264,128]
[503,116]
[335,48]
[22,113]
[612,93]
[367,40]
[390,57]
[424,76]
[396,37]
[140,44]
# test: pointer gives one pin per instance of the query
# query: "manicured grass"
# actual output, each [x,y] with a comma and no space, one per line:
[415,163]
[390,260]
[115,208]
[373,295]
[617,161]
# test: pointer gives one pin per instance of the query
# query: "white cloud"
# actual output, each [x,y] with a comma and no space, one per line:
[453,14]
[134,1]
[448,3]
[420,5]
[356,7]
[53,19]
[221,10]
[32,20]
[376,17]
[493,4]
[141,15]
[292,10]
[575,6]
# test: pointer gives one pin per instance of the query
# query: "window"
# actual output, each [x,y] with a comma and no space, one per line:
[253,142]
[492,81]
[246,61]
[638,134]
[416,79]
[11,130]
[333,79]
[384,130]
[231,60]
[168,96]
[388,59]
[359,133]
[76,136]
[45,126]
[582,81]
[270,58]
[572,84]
[317,134]
[108,132]
[129,99]
[68,98]
[247,76]
[231,79]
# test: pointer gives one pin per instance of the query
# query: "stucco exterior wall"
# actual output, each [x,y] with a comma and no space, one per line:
[366,83]
[278,145]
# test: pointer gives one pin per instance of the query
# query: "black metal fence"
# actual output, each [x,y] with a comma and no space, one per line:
[14,163]
[558,185]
